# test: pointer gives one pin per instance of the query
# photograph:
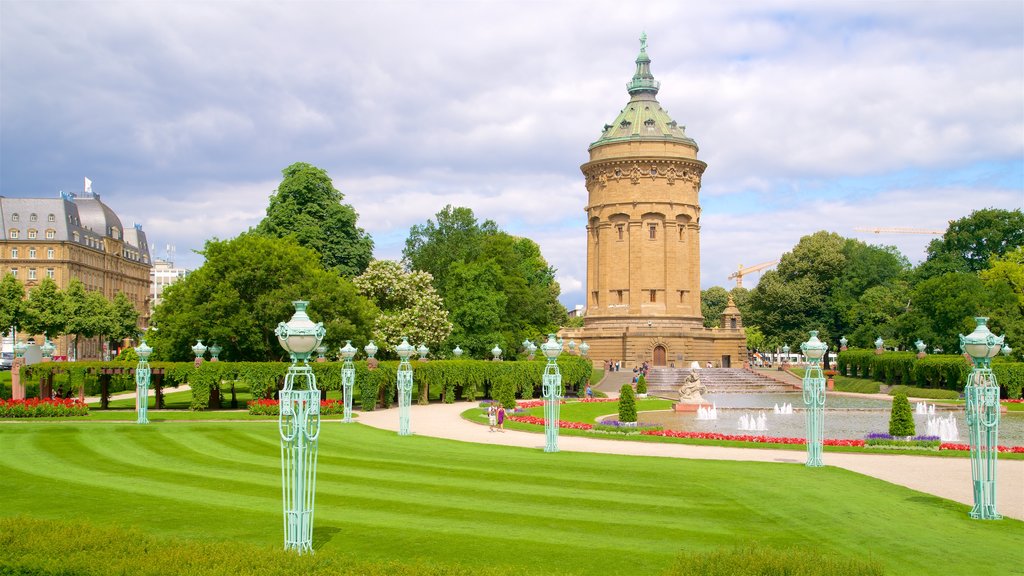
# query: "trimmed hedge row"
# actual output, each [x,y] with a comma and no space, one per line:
[467,379]
[947,371]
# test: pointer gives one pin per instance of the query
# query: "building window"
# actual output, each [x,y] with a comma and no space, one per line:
[592,294]
[31,273]
[51,234]
[654,295]
[15,218]
[49,253]
[654,231]
[682,231]
[32,234]
[51,218]
[619,230]
[14,272]
[14,252]
[76,237]
[732,323]
[32,253]
[14,233]
[49,274]
[32,218]
[618,293]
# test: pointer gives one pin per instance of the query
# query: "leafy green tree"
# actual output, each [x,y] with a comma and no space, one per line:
[970,242]
[476,302]
[901,419]
[409,305]
[456,236]
[641,384]
[244,289]
[12,304]
[88,313]
[307,206]
[1006,277]
[45,311]
[627,404]
[712,302]
[124,319]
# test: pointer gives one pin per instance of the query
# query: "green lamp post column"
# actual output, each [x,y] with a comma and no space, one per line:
[299,425]
[552,387]
[199,349]
[405,350]
[215,353]
[142,375]
[814,397]
[982,393]
[348,378]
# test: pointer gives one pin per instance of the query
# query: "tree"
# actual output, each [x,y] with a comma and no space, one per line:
[409,305]
[712,302]
[244,289]
[970,242]
[455,237]
[901,419]
[45,311]
[124,319]
[88,313]
[308,207]
[627,404]
[12,304]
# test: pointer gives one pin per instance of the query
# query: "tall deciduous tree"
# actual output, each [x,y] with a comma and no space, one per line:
[88,313]
[970,242]
[456,236]
[124,319]
[409,306]
[712,302]
[12,304]
[244,289]
[308,207]
[45,311]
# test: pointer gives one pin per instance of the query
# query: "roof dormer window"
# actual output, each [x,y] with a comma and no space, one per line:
[15,217]
[32,218]
[51,218]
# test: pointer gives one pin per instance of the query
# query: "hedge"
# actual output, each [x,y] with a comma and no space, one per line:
[948,371]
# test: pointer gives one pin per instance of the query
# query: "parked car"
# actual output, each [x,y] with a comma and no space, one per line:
[6,360]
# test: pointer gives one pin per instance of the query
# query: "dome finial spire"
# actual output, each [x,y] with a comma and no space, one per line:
[643,81]
[643,41]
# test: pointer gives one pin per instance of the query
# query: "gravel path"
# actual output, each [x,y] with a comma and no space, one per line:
[945,477]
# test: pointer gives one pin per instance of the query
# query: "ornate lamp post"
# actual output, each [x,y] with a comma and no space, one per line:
[47,349]
[530,348]
[422,350]
[199,350]
[921,346]
[496,352]
[814,397]
[879,345]
[982,393]
[371,351]
[584,348]
[842,343]
[785,356]
[552,386]
[299,426]
[215,352]
[348,377]
[142,374]
[1007,350]
[320,351]
[572,346]
[404,350]
[457,352]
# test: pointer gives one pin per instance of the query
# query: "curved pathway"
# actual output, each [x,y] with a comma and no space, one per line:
[945,477]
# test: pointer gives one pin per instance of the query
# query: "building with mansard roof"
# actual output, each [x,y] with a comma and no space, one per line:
[643,241]
[75,236]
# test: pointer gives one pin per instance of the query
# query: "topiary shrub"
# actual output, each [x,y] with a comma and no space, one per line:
[627,404]
[901,420]
[641,385]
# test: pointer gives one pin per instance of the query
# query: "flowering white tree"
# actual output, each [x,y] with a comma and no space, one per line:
[409,305]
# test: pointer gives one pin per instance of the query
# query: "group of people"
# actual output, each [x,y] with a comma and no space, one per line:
[612,365]
[496,417]
[640,371]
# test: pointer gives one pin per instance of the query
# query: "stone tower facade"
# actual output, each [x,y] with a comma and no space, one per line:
[643,241]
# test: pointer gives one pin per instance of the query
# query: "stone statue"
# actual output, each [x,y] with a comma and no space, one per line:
[691,390]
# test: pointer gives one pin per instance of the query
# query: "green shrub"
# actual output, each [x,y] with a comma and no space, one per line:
[627,404]
[892,367]
[641,385]
[932,393]
[1010,376]
[757,560]
[902,444]
[947,371]
[855,362]
[901,420]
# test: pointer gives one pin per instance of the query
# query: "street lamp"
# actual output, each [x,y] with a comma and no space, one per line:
[572,346]
[785,355]
[584,348]
[814,397]
[552,385]
[371,351]
[843,342]
[879,345]
[320,351]
[531,348]
[142,374]
[47,349]
[422,350]
[982,394]
[215,352]
[404,350]
[348,377]
[457,352]
[1007,350]
[299,425]
[496,352]
[199,350]
[921,347]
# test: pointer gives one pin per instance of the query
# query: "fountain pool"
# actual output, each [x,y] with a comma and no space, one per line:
[847,417]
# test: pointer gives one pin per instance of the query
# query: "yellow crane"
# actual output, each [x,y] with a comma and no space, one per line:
[738,275]
[899,230]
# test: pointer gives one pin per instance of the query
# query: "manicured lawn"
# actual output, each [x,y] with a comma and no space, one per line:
[381,496]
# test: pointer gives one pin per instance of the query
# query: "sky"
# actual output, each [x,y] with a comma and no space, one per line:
[810,115]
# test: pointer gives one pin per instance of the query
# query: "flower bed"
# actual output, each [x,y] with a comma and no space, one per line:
[616,427]
[561,423]
[748,438]
[599,400]
[46,408]
[881,440]
[265,407]
[965,448]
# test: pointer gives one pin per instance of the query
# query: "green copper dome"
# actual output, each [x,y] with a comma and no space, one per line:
[643,118]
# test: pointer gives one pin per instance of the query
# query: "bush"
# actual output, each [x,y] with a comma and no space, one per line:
[855,362]
[947,371]
[627,404]
[641,385]
[1010,376]
[46,408]
[931,393]
[266,407]
[762,560]
[892,367]
[901,420]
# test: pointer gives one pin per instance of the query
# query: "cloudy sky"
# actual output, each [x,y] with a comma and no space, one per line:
[810,115]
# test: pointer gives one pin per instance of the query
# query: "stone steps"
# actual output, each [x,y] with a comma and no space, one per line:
[666,381]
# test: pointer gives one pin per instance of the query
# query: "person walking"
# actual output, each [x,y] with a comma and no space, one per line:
[501,417]
[492,416]
[590,391]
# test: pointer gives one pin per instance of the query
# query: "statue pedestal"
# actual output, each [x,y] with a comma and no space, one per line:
[681,407]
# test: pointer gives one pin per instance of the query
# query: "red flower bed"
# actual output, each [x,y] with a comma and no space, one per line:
[36,408]
[599,399]
[542,422]
[533,403]
[747,438]
[967,447]
[268,407]
[1017,401]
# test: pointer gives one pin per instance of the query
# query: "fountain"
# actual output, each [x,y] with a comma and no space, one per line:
[924,408]
[707,413]
[749,422]
[945,428]
[786,408]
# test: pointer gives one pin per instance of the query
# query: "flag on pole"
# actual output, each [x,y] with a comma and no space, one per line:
[88,186]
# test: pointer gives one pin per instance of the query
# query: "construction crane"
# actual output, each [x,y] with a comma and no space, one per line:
[901,231]
[738,275]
